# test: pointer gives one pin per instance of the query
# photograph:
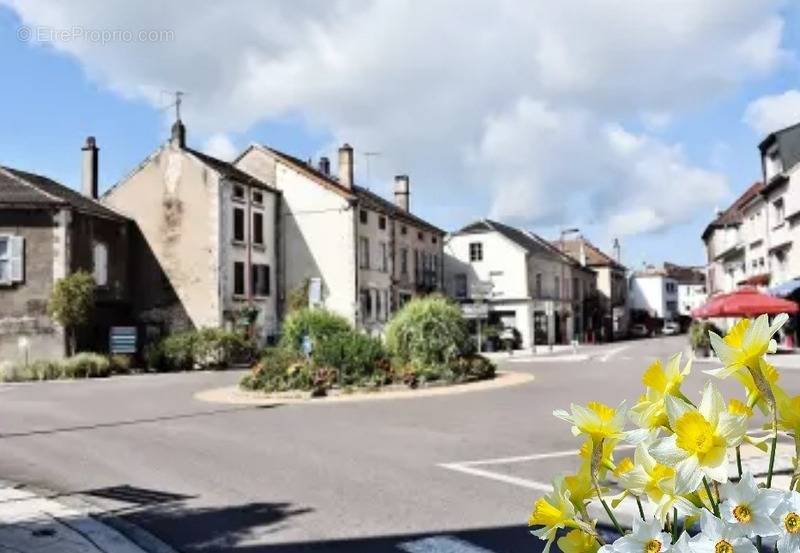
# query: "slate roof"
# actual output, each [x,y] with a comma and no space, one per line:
[364,196]
[228,170]
[21,189]
[733,214]
[595,257]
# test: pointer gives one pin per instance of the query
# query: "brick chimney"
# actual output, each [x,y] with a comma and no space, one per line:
[89,164]
[324,165]
[178,137]
[346,166]
[402,192]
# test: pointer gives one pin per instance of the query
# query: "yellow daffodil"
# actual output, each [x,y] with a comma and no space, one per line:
[745,344]
[552,512]
[596,420]
[578,541]
[606,458]
[702,436]
[737,407]
[667,381]
[770,376]
[580,487]
[789,415]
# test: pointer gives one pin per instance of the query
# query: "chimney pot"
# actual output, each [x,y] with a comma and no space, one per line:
[179,134]
[89,166]
[324,165]
[402,192]
[346,166]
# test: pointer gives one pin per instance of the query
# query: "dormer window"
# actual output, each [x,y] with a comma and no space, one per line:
[773,165]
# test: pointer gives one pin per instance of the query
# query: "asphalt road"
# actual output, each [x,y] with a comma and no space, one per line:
[321,477]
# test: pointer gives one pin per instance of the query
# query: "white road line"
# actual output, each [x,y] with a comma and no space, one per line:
[441,544]
[523,458]
[609,354]
[521,482]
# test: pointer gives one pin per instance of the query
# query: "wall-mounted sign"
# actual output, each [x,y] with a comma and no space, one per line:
[122,339]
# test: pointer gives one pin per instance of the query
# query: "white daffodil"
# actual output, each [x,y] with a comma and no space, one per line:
[749,508]
[647,537]
[719,537]
[682,545]
[745,344]
[596,420]
[787,515]
[700,441]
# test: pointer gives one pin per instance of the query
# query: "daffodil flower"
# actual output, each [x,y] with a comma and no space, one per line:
[787,515]
[578,541]
[749,508]
[769,376]
[745,344]
[646,537]
[682,545]
[606,460]
[552,512]
[700,441]
[789,415]
[580,487]
[719,537]
[596,420]
[667,381]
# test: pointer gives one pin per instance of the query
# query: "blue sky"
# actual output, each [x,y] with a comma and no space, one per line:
[559,147]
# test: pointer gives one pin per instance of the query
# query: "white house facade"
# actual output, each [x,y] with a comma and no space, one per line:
[654,291]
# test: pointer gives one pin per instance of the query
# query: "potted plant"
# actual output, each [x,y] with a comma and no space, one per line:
[698,337]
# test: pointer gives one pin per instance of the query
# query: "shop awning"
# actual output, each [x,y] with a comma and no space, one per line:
[745,302]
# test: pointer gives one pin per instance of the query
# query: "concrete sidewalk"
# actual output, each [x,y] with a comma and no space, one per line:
[29,522]
[790,361]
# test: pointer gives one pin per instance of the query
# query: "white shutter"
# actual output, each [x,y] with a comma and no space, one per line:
[17,257]
[100,264]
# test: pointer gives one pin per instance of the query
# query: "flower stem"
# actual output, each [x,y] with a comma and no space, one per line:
[641,509]
[772,457]
[711,497]
[674,524]
[610,514]
[739,460]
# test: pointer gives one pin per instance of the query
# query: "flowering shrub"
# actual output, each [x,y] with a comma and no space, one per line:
[679,471]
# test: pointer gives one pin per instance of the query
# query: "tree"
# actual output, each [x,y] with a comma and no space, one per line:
[71,304]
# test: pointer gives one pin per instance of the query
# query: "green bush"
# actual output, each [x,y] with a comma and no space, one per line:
[86,365]
[698,334]
[120,364]
[198,349]
[279,370]
[472,367]
[354,355]
[430,333]
[318,324]
[45,369]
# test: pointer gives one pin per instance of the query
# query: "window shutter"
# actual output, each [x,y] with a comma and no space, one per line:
[17,256]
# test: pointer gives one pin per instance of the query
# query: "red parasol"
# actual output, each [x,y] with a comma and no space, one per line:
[744,302]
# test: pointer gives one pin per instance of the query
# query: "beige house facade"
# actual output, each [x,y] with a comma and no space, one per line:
[359,254]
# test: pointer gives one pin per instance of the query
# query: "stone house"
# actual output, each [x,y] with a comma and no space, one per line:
[362,255]
[534,287]
[206,245]
[612,285]
[47,232]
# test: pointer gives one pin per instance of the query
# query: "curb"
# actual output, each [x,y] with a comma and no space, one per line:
[236,396]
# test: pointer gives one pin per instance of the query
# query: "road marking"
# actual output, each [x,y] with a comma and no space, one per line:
[441,544]
[611,353]
[500,477]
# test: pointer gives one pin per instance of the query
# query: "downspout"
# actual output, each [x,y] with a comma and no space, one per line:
[280,274]
[359,316]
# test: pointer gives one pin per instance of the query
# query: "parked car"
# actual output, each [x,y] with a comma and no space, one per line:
[671,328]
[639,330]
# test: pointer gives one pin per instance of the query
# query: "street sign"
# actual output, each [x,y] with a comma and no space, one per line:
[481,290]
[314,292]
[475,310]
[122,339]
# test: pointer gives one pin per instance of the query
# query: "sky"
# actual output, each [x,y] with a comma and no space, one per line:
[624,119]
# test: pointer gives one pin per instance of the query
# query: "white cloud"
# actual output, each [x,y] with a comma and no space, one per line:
[517,101]
[220,146]
[772,113]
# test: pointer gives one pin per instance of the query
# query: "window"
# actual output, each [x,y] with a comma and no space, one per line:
[476,251]
[404,261]
[384,258]
[100,264]
[258,197]
[558,287]
[760,261]
[12,259]
[362,216]
[378,305]
[238,224]
[258,228]
[460,285]
[772,163]
[575,288]
[382,222]
[238,192]
[420,236]
[538,285]
[260,279]
[238,278]
[417,268]
[364,251]
[404,230]
[433,239]
[778,208]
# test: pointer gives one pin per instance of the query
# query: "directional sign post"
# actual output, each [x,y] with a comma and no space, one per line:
[479,292]
[122,339]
